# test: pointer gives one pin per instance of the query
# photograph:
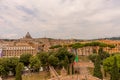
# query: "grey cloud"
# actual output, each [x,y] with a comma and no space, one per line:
[26,10]
[61,19]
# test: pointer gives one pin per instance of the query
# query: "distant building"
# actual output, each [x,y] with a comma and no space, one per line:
[116,43]
[89,49]
[16,51]
[27,44]
[16,48]
[28,36]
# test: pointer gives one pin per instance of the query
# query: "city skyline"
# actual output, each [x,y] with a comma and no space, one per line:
[80,19]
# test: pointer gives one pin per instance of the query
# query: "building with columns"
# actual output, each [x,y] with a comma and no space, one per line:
[17,47]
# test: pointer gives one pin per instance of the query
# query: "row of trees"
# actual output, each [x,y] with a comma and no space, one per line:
[9,65]
[110,63]
[57,59]
[97,59]
[81,45]
[93,45]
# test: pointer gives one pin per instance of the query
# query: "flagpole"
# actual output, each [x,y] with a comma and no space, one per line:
[76,60]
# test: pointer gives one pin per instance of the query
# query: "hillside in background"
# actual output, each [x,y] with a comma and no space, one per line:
[112,38]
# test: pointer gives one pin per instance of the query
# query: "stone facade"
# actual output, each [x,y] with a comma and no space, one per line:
[16,51]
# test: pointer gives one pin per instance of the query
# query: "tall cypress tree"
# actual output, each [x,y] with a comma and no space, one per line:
[115,71]
[19,68]
[97,69]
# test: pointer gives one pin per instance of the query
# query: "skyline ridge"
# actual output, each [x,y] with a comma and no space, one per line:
[28,35]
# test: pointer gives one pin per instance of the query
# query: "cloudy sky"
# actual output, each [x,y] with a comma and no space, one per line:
[81,19]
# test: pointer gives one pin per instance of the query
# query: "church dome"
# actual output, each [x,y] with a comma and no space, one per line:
[28,35]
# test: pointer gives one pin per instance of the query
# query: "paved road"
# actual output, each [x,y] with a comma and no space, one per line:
[84,73]
[0,78]
[83,66]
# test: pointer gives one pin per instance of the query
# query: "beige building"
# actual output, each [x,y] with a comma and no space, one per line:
[16,51]
[18,47]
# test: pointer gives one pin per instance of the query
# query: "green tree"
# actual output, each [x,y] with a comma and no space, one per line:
[115,71]
[66,64]
[94,51]
[62,54]
[4,67]
[77,45]
[43,57]
[58,59]
[71,57]
[2,71]
[12,64]
[25,59]
[53,61]
[35,63]
[19,69]
[92,57]
[9,64]
[97,69]
[65,58]
[108,63]
[103,55]
[55,46]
